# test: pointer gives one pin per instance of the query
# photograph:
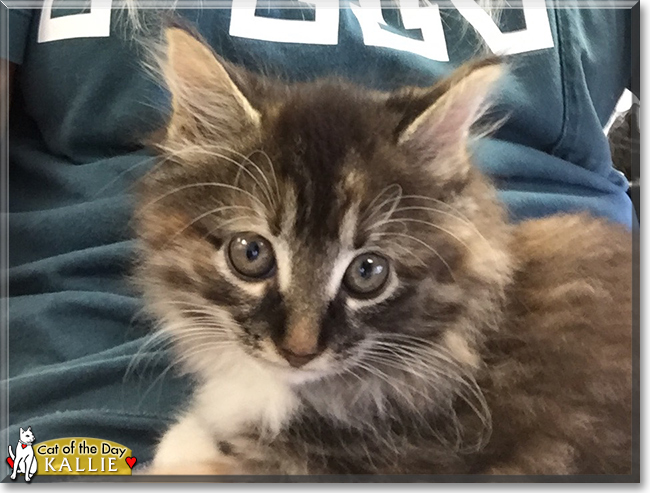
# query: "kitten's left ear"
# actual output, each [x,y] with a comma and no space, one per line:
[440,133]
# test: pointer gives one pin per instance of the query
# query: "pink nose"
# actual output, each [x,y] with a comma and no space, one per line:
[297,359]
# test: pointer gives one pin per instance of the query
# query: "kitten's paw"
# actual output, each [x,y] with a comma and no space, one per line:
[175,454]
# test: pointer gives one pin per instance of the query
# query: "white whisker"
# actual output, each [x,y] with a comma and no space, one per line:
[206,149]
[202,216]
[198,185]
[273,173]
[423,243]
[373,210]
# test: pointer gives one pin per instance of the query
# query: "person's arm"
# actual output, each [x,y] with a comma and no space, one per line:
[6,78]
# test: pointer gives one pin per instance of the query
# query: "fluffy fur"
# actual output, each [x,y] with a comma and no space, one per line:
[493,348]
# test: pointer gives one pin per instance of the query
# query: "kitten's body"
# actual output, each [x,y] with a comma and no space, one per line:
[559,371]
[490,348]
[556,378]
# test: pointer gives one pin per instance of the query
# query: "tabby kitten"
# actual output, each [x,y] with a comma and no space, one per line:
[349,295]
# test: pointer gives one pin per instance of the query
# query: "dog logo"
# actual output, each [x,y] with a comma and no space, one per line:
[23,461]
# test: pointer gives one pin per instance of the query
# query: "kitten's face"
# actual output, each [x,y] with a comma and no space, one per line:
[317,227]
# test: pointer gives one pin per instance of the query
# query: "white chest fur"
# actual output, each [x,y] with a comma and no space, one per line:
[241,392]
[237,393]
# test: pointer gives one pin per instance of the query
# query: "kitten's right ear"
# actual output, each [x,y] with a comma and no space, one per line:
[208,108]
[21,430]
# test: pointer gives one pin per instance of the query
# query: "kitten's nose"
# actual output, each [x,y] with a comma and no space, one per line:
[299,345]
[297,359]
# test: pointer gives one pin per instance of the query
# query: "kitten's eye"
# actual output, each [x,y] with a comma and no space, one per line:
[366,275]
[251,256]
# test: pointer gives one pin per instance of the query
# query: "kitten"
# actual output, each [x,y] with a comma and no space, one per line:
[348,293]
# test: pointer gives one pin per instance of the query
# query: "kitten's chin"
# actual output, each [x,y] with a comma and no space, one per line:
[299,377]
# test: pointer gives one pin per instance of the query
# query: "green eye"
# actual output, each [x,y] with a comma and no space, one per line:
[251,256]
[366,276]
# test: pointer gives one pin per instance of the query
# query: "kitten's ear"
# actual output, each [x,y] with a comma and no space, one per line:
[21,430]
[208,108]
[440,133]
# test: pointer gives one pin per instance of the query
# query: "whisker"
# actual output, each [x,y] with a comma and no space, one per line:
[206,149]
[407,365]
[427,223]
[273,173]
[440,202]
[176,362]
[417,240]
[454,213]
[201,216]
[436,211]
[162,160]
[144,161]
[223,224]
[376,209]
[407,399]
[197,185]
[424,354]
[408,251]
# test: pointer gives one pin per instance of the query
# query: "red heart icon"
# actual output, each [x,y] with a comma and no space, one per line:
[131,461]
[10,461]
[24,445]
